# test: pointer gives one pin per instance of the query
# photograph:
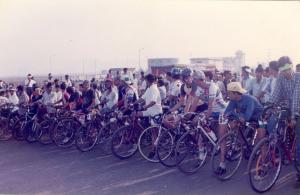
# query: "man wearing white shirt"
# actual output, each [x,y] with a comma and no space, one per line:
[246,78]
[12,96]
[29,82]
[257,84]
[68,81]
[49,98]
[269,86]
[151,97]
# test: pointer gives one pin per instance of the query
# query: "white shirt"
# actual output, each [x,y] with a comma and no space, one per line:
[219,105]
[268,87]
[68,83]
[58,96]
[128,75]
[13,99]
[175,87]
[29,83]
[246,83]
[144,85]
[135,83]
[152,95]
[111,96]
[49,99]
[97,96]
[256,88]
[163,92]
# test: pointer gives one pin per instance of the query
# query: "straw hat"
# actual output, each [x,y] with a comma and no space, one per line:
[236,87]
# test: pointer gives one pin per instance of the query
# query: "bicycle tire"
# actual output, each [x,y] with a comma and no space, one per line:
[124,136]
[257,154]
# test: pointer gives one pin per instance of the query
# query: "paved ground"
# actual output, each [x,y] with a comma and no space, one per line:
[37,169]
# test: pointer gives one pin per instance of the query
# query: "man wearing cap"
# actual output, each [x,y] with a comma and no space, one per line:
[246,78]
[244,108]
[287,89]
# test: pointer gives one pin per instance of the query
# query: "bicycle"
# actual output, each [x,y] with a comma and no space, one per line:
[239,143]
[267,156]
[188,146]
[124,142]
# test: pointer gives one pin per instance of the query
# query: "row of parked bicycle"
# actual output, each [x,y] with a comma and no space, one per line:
[121,133]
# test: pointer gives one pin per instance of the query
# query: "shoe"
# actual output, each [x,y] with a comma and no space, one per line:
[220,171]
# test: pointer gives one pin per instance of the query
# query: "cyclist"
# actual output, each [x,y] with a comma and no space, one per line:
[151,97]
[189,99]
[244,108]
[174,87]
[287,89]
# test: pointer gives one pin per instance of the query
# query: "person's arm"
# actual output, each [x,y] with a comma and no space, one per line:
[230,108]
[296,100]
[179,104]
[249,111]
[277,93]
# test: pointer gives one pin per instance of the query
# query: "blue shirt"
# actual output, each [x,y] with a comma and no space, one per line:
[247,107]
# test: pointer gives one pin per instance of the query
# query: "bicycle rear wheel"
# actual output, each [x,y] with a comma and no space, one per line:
[64,132]
[87,137]
[264,165]
[44,131]
[147,143]
[105,136]
[187,154]
[166,148]
[124,142]
[18,128]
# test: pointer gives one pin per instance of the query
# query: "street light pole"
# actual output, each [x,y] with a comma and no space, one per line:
[140,49]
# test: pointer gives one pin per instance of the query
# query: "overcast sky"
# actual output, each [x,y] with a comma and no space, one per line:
[39,36]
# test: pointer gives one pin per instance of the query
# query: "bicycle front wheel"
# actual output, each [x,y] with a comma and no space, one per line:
[124,142]
[232,153]
[264,165]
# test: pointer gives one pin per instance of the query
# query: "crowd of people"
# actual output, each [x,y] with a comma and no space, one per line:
[183,90]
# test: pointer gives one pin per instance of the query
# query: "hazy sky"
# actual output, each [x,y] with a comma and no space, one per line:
[39,36]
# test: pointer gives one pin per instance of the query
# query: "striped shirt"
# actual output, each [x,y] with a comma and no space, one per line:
[288,91]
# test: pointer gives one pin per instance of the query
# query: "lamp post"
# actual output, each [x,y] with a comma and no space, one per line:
[140,50]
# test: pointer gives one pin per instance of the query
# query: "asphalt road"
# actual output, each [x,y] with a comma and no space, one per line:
[37,169]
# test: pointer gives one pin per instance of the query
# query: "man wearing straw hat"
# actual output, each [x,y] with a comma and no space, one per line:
[244,108]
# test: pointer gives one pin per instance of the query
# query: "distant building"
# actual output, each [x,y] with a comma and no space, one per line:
[159,66]
[220,63]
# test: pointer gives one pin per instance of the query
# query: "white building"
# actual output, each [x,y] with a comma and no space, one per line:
[233,64]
